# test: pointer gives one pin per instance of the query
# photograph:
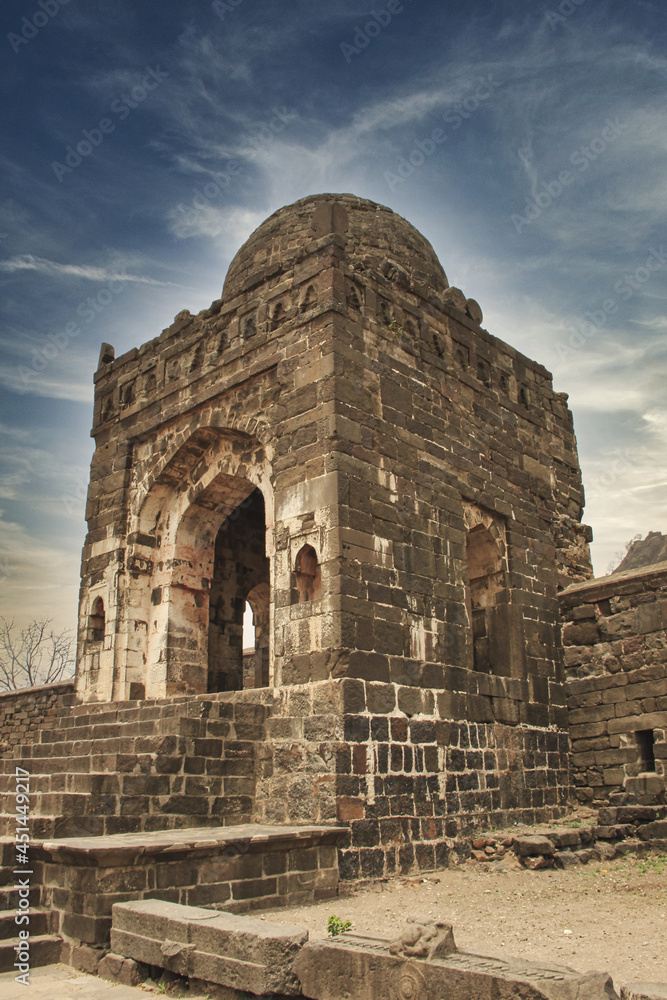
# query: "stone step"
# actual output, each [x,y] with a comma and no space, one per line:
[44,950]
[626,814]
[9,897]
[653,831]
[206,707]
[236,867]
[616,831]
[40,922]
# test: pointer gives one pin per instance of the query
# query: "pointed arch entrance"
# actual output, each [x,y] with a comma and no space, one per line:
[202,541]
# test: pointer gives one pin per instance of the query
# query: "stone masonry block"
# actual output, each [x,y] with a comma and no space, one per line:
[234,951]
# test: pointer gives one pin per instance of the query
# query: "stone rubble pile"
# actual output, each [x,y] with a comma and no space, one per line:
[621,830]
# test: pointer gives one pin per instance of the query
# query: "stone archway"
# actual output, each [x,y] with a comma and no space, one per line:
[172,561]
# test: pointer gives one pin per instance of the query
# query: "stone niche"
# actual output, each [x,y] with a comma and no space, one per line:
[339,444]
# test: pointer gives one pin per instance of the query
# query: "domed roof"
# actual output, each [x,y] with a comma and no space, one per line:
[376,239]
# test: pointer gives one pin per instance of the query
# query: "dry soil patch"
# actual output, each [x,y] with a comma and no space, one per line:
[608,916]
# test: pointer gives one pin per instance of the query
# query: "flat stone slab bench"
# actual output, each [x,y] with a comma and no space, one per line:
[239,952]
[235,868]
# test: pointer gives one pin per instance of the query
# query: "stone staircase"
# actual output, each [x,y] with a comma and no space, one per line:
[138,767]
[45,946]
[131,767]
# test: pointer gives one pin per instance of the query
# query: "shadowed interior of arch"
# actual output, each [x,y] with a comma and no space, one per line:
[240,575]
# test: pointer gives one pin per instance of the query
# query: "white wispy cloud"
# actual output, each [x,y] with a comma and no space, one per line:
[87,272]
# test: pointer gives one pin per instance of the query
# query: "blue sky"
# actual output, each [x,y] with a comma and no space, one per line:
[144,142]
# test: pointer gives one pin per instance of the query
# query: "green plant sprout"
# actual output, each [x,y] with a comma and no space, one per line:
[336,926]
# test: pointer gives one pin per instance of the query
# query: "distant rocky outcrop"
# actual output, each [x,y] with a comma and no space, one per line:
[644,552]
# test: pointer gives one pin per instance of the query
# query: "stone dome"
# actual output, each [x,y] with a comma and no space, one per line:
[376,240]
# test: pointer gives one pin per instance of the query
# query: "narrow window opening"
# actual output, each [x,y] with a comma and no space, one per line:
[278,317]
[386,312]
[645,741]
[462,356]
[307,576]
[353,300]
[127,394]
[484,373]
[96,621]
[309,300]
[487,602]
[250,328]
[248,630]
[198,358]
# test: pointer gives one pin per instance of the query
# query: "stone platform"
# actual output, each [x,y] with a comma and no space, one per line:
[77,880]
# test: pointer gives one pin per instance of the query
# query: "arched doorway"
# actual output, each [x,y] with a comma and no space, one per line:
[199,543]
[240,576]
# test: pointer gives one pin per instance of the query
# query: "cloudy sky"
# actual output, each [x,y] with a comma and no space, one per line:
[145,141]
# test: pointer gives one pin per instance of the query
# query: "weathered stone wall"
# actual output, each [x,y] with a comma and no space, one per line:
[140,766]
[389,762]
[24,713]
[615,646]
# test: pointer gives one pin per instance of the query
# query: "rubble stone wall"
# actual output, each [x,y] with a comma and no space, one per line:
[24,713]
[615,648]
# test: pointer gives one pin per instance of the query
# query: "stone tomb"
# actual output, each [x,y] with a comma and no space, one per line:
[235,868]
[339,446]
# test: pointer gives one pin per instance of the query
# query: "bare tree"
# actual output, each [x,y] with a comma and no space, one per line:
[36,655]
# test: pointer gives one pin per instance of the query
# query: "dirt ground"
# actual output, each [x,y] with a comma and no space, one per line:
[609,916]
